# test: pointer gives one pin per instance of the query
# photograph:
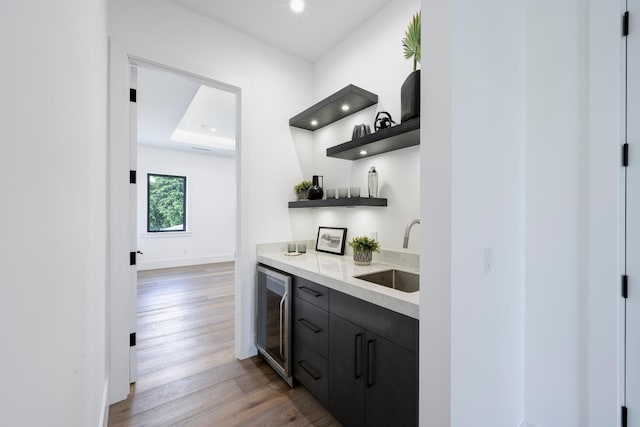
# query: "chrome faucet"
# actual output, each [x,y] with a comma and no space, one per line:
[407,231]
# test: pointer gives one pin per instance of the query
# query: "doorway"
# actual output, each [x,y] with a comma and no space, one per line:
[121,197]
[183,145]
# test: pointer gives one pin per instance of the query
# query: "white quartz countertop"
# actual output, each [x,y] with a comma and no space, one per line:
[336,272]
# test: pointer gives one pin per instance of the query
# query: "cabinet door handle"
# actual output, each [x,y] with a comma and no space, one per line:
[309,370]
[309,325]
[358,356]
[370,363]
[310,291]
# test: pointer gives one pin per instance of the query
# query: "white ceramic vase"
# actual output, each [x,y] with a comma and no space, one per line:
[362,258]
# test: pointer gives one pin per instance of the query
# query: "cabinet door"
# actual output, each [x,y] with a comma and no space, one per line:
[346,372]
[391,378]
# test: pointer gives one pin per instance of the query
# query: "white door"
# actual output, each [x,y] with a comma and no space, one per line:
[631,259]
[133,231]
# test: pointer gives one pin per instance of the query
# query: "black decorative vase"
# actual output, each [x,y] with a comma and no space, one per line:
[315,192]
[410,97]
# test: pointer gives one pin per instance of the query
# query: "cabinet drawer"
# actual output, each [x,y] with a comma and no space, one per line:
[311,370]
[309,291]
[311,325]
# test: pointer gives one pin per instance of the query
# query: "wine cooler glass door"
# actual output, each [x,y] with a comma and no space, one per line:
[274,319]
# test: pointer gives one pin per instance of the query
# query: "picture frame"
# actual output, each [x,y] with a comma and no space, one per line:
[331,240]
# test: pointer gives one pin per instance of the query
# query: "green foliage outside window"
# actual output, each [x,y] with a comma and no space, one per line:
[166,197]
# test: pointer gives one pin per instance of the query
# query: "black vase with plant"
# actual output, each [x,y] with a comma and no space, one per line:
[410,91]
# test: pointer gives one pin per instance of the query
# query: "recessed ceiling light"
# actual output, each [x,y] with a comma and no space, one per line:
[296,6]
[213,129]
[314,123]
[345,107]
[363,152]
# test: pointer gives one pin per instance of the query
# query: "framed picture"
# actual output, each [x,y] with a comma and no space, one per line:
[331,240]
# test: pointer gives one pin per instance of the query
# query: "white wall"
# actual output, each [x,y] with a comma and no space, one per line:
[211,209]
[274,87]
[371,58]
[53,248]
[487,212]
[472,166]
[556,210]
[436,133]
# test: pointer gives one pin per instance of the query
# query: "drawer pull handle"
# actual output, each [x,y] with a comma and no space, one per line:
[310,325]
[310,291]
[309,370]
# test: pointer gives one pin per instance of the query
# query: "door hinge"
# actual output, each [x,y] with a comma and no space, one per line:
[132,258]
[132,177]
[625,286]
[623,416]
[132,95]
[132,339]
[625,24]
[625,154]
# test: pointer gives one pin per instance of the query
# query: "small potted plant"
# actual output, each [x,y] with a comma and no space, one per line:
[410,92]
[363,248]
[301,189]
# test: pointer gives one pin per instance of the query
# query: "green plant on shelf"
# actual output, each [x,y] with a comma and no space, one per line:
[302,186]
[364,244]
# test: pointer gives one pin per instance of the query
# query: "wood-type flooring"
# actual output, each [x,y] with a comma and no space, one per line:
[188,374]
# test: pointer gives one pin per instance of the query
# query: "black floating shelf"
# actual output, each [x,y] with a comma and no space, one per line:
[330,110]
[350,201]
[404,135]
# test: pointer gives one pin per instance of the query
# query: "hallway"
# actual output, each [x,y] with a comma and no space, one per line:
[188,374]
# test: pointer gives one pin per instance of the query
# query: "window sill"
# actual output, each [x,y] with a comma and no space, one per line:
[163,234]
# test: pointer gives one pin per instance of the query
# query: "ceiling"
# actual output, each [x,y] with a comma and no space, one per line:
[176,111]
[308,35]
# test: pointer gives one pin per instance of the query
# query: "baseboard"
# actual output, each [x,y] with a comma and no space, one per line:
[104,418]
[526,423]
[183,262]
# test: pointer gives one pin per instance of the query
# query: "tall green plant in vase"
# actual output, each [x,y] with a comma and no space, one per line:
[410,91]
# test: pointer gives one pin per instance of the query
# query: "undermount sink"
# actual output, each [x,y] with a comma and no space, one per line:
[395,279]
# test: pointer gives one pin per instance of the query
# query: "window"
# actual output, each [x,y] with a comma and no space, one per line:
[166,203]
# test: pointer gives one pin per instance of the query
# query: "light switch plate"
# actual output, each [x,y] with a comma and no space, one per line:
[487,256]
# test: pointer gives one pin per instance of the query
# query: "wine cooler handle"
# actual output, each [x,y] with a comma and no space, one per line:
[282,301]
